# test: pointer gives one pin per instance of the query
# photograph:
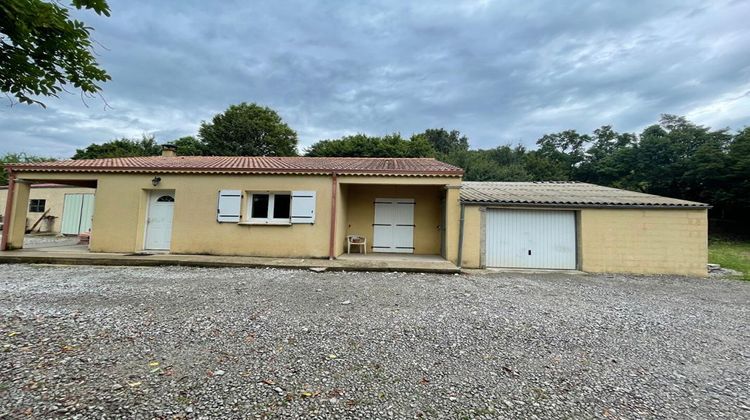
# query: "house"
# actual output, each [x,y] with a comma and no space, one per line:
[306,207]
[62,209]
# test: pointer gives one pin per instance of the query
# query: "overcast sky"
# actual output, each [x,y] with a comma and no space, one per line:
[499,71]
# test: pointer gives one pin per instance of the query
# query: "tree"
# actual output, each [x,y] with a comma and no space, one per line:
[445,142]
[739,173]
[609,158]
[18,158]
[189,146]
[248,130]
[146,146]
[362,145]
[42,49]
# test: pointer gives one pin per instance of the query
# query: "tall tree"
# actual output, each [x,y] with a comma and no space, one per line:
[559,154]
[362,145]
[444,142]
[739,173]
[609,158]
[42,49]
[189,146]
[248,130]
[146,146]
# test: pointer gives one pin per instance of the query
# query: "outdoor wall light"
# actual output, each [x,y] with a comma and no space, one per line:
[156,181]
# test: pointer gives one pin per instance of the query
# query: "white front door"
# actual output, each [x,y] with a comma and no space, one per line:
[159,221]
[393,229]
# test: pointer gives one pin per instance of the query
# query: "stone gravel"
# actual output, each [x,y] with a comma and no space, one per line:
[173,342]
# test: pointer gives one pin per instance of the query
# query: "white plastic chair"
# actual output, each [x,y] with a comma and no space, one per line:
[356,240]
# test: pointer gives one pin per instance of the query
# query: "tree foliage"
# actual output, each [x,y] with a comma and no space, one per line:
[675,158]
[361,145]
[124,147]
[18,158]
[248,130]
[42,49]
[444,142]
[189,146]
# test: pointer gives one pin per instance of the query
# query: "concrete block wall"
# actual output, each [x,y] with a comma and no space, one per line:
[648,241]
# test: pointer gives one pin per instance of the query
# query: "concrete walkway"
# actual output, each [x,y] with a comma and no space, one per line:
[78,255]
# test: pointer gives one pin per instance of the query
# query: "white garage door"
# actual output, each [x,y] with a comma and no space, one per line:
[530,239]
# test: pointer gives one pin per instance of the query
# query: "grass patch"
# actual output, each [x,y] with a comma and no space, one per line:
[729,253]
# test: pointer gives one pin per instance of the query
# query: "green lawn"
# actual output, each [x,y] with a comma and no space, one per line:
[732,254]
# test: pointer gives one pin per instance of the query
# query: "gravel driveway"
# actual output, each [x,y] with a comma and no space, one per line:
[188,342]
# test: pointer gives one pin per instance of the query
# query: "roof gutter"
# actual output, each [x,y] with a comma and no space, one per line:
[8,210]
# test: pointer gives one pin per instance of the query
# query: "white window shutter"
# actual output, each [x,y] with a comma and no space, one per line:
[228,209]
[303,206]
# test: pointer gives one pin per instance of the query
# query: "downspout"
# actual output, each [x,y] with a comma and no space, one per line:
[461,237]
[8,210]
[332,240]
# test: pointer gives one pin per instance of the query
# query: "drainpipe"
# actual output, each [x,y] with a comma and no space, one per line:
[461,237]
[8,210]
[332,240]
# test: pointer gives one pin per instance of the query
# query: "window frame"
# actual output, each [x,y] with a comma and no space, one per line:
[34,205]
[270,220]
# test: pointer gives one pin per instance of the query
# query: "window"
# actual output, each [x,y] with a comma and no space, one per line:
[270,208]
[37,206]
[165,199]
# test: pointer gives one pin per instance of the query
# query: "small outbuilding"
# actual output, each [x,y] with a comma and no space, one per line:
[573,225]
[307,207]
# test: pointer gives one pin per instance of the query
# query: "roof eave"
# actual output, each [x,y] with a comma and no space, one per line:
[85,169]
[587,205]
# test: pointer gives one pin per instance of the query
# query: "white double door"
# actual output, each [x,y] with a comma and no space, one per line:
[159,221]
[78,210]
[393,229]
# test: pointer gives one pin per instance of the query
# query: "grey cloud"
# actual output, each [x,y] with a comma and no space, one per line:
[499,71]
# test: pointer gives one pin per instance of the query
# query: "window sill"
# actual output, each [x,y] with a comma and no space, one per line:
[268,223]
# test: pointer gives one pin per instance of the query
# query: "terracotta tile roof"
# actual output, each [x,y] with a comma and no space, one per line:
[239,164]
[563,194]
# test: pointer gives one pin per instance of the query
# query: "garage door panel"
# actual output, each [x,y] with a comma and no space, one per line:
[530,239]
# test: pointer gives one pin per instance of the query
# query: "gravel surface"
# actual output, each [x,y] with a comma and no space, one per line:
[109,342]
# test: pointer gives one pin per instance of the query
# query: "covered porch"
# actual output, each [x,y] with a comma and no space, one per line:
[409,219]
[79,203]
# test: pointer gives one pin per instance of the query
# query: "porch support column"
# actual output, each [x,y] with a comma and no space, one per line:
[14,220]
[453,222]
[332,239]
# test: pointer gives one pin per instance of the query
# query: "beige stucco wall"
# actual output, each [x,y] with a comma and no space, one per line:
[471,255]
[361,213]
[122,204]
[55,197]
[645,241]
[649,241]
[194,226]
